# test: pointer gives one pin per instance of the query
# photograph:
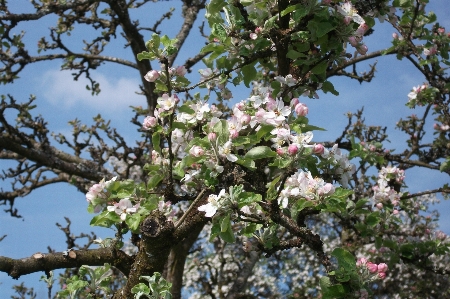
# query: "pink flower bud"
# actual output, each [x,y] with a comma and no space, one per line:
[353,41]
[280,151]
[382,275]
[149,122]
[292,149]
[152,76]
[440,235]
[379,206]
[362,29]
[301,109]
[212,136]
[181,71]
[395,35]
[362,49]
[395,212]
[373,268]
[382,267]
[253,36]
[436,126]
[245,119]
[318,149]
[294,102]
[441,30]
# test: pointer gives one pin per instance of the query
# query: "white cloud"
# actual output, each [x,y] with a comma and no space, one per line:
[59,89]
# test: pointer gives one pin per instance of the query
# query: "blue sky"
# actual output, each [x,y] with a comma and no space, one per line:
[60,99]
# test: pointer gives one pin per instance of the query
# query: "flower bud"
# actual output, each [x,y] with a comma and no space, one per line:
[152,76]
[382,267]
[149,122]
[292,149]
[379,206]
[180,71]
[212,136]
[362,49]
[373,268]
[318,149]
[301,109]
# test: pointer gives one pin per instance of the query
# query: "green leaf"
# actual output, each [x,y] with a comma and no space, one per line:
[260,152]
[219,31]
[225,223]
[154,180]
[373,219]
[146,55]
[133,222]
[105,219]
[327,86]
[249,72]
[320,68]
[156,141]
[345,259]
[249,163]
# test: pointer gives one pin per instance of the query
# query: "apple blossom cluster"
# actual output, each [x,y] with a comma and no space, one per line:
[214,203]
[369,272]
[153,75]
[123,208]
[415,93]
[98,194]
[257,111]
[350,14]
[383,192]
[303,185]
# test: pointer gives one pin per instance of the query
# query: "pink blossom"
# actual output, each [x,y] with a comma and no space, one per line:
[152,76]
[382,267]
[354,41]
[181,71]
[166,102]
[430,51]
[395,212]
[373,268]
[361,262]
[123,208]
[379,206]
[318,149]
[440,235]
[292,149]
[362,29]
[301,109]
[362,49]
[382,275]
[212,136]
[149,122]
[280,151]
[395,35]
[196,151]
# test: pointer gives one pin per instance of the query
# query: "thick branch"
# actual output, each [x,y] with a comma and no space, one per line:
[58,260]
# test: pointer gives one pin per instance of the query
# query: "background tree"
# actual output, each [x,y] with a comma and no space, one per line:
[285,49]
